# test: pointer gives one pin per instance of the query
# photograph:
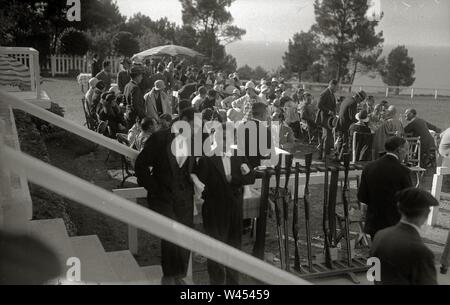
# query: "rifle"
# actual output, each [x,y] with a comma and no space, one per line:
[295,227]
[326,223]
[288,165]
[308,162]
[277,213]
[345,190]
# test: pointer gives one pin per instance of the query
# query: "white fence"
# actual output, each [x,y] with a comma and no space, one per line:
[60,65]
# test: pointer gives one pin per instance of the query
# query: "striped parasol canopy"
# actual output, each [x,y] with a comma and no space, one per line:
[14,73]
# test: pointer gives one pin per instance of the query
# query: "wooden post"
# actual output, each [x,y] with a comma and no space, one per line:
[435,94]
[387,91]
[412,93]
[436,189]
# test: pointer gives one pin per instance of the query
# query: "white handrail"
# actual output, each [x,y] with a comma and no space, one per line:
[73,127]
[109,204]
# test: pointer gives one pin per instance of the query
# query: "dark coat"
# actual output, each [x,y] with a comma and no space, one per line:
[420,128]
[380,180]
[327,103]
[223,204]
[405,260]
[252,149]
[135,99]
[347,113]
[158,155]
[123,78]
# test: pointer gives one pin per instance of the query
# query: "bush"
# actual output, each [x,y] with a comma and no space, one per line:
[73,42]
[125,44]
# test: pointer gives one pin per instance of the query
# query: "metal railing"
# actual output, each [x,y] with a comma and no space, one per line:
[107,203]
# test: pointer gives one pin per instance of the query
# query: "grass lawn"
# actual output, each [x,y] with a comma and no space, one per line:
[67,94]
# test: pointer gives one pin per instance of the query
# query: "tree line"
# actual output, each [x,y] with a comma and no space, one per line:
[342,42]
[42,24]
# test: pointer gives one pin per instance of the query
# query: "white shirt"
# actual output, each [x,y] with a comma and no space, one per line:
[181,150]
[226,161]
[391,154]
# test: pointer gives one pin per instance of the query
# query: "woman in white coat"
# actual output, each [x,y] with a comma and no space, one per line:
[157,102]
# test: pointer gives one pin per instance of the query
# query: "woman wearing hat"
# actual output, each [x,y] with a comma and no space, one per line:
[157,102]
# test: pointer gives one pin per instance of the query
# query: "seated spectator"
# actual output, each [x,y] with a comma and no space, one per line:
[148,127]
[390,127]
[285,132]
[226,103]
[187,90]
[375,118]
[165,121]
[199,98]
[209,101]
[90,93]
[96,97]
[362,125]
[134,132]
[235,114]
[418,127]
[109,113]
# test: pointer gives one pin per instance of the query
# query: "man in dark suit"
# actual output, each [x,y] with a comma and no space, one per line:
[347,113]
[380,180]
[134,97]
[170,189]
[224,176]
[123,77]
[418,127]
[327,109]
[254,149]
[404,258]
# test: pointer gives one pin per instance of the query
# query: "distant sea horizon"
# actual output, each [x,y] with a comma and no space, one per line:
[432,62]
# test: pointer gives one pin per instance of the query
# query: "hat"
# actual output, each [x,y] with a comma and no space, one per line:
[125,61]
[274,80]
[361,94]
[236,91]
[114,89]
[263,81]
[159,85]
[307,93]
[93,82]
[362,116]
[413,199]
[250,85]
[170,66]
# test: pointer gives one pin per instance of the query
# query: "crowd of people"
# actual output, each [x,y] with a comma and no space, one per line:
[151,95]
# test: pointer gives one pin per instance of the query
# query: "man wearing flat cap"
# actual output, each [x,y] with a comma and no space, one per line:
[134,96]
[347,113]
[404,258]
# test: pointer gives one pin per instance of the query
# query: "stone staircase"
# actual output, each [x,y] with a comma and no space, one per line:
[97,266]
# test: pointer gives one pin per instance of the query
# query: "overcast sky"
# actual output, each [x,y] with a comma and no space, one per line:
[416,22]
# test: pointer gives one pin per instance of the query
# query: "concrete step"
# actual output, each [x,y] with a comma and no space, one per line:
[53,233]
[95,267]
[153,273]
[126,268]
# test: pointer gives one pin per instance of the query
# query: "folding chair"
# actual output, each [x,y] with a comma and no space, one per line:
[127,165]
[362,146]
[413,158]
[90,123]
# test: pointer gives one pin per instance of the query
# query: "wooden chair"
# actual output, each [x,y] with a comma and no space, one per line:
[362,146]
[126,164]
[91,122]
[413,158]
